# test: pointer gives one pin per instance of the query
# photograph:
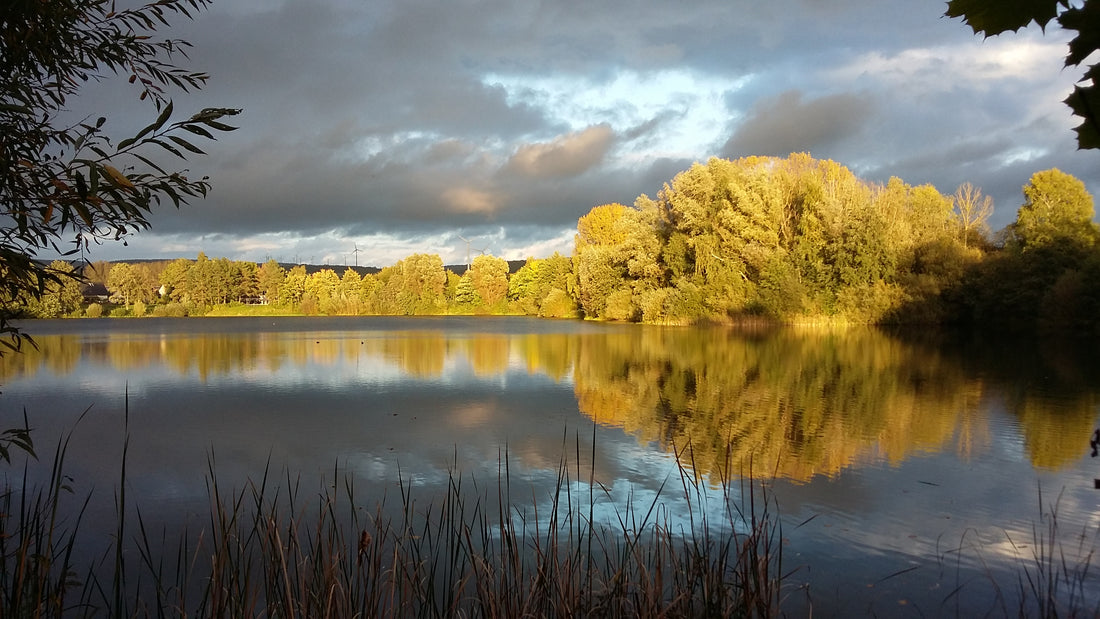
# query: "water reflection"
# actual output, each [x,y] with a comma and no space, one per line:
[896,450]
[796,404]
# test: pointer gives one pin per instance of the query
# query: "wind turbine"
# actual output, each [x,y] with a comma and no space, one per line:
[355,252]
[467,251]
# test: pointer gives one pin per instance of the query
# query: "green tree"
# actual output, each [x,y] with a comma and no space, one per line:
[350,293]
[417,285]
[466,295]
[62,182]
[368,291]
[293,287]
[992,17]
[523,287]
[269,279]
[173,279]
[248,280]
[130,283]
[1057,209]
[59,298]
[599,274]
[200,283]
[616,249]
[321,292]
[541,287]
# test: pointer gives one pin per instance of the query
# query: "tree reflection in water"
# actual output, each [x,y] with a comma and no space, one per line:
[797,403]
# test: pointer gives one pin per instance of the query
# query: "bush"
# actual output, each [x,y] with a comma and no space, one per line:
[170,310]
[94,310]
[685,303]
[309,306]
[620,306]
[653,304]
[557,305]
[119,312]
[138,309]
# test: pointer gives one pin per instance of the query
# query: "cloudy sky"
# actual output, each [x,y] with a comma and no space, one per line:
[399,126]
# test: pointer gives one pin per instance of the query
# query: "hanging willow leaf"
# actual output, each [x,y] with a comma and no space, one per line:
[185,144]
[118,178]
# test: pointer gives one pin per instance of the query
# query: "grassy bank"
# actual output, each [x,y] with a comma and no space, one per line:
[239,309]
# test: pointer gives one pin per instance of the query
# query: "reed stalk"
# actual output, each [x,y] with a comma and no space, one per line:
[274,550]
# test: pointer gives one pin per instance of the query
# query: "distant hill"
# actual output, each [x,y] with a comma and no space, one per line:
[457,269]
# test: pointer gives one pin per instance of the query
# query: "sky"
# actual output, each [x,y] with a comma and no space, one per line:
[375,129]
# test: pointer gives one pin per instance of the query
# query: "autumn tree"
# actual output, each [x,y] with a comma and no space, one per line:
[70,183]
[489,276]
[96,272]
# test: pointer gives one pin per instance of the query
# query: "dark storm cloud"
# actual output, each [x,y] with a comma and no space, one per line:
[413,120]
[787,124]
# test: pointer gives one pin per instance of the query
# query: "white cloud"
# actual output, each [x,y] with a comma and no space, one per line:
[694,102]
[949,67]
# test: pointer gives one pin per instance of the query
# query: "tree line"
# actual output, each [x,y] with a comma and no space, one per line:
[800,239]
[791,239]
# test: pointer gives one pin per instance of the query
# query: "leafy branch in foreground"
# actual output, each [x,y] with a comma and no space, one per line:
[68,183]
[992,17]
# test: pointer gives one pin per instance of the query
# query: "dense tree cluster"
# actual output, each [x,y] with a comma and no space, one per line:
[791,239]
[786,239]
[805,240]
[417,285]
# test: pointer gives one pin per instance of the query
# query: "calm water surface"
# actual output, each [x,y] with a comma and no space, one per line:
[903,468]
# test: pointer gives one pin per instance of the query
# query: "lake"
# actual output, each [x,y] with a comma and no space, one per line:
[909,471]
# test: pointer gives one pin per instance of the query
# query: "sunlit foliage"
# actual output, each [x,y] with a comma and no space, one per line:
[753,241]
